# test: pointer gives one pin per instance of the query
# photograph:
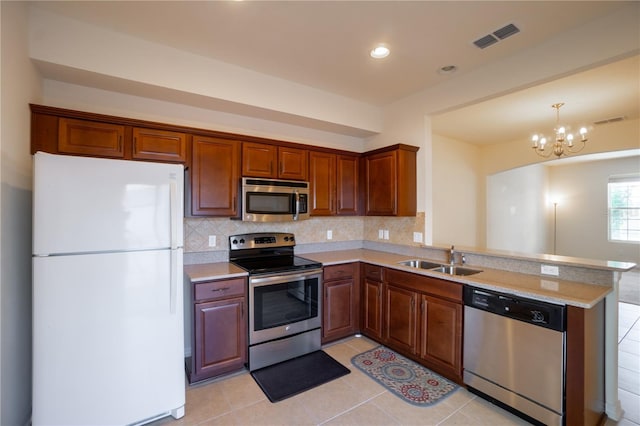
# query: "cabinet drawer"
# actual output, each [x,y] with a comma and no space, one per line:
[337,272]
[373,272]
[219,289]
[434,286]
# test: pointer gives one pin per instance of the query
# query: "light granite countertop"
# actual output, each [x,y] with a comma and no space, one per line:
[549,289]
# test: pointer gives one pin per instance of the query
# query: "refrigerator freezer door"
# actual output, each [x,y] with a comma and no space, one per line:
[108,338]
[86,204]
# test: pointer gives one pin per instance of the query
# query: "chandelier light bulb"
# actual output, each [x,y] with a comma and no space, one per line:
[563,144]
[570,140]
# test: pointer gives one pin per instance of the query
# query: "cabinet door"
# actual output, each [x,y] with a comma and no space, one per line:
[347,176]
[339,314]
[391,182]
[220,337]
[322,171]
[401,315]
[159,145]
[90,138]
[381,184]
[215,177]
[441,335]
[293,163]
[372,300]
[259,160]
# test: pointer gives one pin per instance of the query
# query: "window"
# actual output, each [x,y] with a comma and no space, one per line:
[624,208]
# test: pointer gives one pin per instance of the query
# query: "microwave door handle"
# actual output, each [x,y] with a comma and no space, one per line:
[296,213]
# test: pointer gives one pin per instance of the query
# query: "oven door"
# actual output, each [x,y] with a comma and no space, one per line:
[284,304]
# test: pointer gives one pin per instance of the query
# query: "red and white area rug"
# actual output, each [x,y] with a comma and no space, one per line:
[408,380]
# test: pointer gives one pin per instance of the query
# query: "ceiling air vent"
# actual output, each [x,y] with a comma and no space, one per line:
[485,41]
[496,36]
[506,31]
[610,120]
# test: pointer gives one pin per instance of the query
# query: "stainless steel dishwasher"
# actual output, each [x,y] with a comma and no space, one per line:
[514,353]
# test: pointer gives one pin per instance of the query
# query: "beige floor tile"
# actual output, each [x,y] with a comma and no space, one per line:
[365,415]
[330,400]
[287,412]
[482,412]
[408,414]
[362,344]
[631,405]
[363,383]
[342,353]
[242,391]
[202,403]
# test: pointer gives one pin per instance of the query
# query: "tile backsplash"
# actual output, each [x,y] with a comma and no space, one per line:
[343,228]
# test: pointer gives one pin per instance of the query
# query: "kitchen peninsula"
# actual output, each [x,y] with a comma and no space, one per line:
[585,300]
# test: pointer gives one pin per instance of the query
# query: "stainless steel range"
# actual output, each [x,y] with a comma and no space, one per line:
[285,303]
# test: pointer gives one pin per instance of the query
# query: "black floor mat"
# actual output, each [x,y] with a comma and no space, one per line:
[289,378]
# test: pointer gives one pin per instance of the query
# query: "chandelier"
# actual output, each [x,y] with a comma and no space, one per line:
[563,143]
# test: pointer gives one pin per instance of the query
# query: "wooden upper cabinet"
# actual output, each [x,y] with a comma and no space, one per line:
[322,183]
[90,138]
[391,181]
[271,161]
[215,167]
[259,160]
[334,184]
[159,145]
[293,163]
[347,188]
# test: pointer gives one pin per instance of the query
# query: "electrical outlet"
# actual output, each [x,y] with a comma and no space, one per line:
[212,241]
[386,234]
[417,237]
[380,234]
[550,270]
[329,234]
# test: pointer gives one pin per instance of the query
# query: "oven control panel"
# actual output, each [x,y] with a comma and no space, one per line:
[261,240]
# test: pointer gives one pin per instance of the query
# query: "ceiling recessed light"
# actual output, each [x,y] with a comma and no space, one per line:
[380,52]
[448,69]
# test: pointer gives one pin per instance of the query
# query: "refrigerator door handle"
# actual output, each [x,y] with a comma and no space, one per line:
[173,282]
[173,206]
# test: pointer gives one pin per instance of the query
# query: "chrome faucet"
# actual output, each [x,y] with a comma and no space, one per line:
[452,256]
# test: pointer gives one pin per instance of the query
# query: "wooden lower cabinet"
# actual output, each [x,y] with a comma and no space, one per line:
[372,301]
[441,335]
[341,304]
[418,316]
[400,330]
[219,340]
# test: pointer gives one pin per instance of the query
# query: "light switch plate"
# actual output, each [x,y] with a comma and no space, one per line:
[417,237]
[386,234]
[212,241]
[329,234]
[380,234]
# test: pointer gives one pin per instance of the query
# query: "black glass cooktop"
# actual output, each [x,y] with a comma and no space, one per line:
[272,264]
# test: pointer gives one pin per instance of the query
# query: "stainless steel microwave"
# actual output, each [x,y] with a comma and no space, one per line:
[274,200]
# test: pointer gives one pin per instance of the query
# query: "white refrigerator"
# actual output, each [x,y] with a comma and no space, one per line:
[108,339]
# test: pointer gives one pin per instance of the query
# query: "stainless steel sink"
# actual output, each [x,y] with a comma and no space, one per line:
[420,264]
[456,270]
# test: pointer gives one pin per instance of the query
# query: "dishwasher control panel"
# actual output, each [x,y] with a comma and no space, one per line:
[535,312]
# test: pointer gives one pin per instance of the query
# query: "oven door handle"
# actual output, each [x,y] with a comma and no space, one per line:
[284,278]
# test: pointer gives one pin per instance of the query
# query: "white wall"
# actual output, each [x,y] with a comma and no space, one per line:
[517,210]
[582,228]
[20,85]
[455,192]
[82,98]
[132,65]
[520,215]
